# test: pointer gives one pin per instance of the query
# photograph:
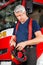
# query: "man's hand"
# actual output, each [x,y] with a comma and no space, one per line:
[21,45]
[12,43]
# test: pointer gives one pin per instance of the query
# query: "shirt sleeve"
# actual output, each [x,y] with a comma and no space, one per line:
[36,26]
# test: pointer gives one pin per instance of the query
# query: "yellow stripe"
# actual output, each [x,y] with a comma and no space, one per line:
[12,57]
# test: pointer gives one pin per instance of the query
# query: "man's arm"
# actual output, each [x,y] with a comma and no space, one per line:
[13,40]
[37,39]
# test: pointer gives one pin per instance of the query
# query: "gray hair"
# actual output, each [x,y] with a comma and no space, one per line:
[19,8]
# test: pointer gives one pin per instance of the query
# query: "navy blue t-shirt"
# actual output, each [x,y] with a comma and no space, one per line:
[22,32]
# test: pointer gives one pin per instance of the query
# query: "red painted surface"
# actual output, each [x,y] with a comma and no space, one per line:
[38,1]
[39,48]
[6,4]
[5,44]
[24,2]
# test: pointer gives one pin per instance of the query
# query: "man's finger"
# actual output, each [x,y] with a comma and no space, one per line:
[17,46]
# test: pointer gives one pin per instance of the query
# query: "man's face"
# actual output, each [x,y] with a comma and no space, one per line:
[20,16]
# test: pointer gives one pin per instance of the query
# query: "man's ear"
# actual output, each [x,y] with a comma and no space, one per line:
[24,12]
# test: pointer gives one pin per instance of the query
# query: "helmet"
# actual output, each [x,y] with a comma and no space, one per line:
[18,56]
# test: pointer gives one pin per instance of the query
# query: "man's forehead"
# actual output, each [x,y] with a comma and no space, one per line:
[18,13]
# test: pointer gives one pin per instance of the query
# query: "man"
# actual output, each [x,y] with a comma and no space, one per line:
[22,35]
